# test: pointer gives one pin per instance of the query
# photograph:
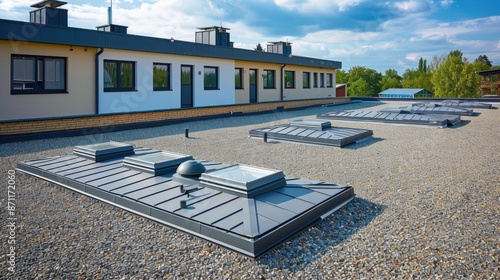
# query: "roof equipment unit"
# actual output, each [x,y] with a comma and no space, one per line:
[314,132]
[245,208]
[48,13]
[397,116]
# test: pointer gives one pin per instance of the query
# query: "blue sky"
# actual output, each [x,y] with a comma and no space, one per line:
[390,34]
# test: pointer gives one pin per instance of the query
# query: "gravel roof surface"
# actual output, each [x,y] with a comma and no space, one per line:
[427,206]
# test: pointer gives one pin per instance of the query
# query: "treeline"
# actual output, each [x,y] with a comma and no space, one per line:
[450,75]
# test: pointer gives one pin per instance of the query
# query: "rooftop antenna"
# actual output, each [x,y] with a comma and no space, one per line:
[110,13]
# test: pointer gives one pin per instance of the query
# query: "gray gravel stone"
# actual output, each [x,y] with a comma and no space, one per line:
[427,206]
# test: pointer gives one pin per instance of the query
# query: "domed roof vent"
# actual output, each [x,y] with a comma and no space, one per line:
[190,170]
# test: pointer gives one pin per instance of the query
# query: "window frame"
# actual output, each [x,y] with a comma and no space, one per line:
[39,77]
[168,87]
[306,77]
[238,80]
[329,80]
[321,80]
[266,73]
[292,79]
[119,66]
[210,87]
[315,80]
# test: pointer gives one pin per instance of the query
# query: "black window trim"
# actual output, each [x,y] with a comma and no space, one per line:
[241,78]
[118,81]
[292,85]
[329,77]
[308,79]
[216,87]
[265,75]
[169,77]
[35,89]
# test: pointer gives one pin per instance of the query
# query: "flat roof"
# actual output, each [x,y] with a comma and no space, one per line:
[402,91]
[112,40]
[247,209]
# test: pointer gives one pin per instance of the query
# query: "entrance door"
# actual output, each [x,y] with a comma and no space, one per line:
[253,85]
[186,86]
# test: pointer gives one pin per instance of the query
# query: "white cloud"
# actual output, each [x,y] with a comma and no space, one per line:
[447,3]
[412,6]
[316,6]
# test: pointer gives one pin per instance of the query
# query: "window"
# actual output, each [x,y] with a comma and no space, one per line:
[306,80]
[322,80]
[268,76]
[37,74]
[290,79]
[119,75]
[329,79]
[315,80]
[161,76]
[238,78]
[211,77]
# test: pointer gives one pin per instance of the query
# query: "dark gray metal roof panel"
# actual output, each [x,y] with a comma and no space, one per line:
[249,225]
[16,31]
[466,104]
[312,132]
[434,120]
[430,108]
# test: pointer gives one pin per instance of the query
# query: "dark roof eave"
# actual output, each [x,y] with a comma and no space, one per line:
[29,32]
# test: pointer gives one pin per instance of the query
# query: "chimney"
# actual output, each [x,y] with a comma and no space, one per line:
[280,47]
[217,36]
[49,14]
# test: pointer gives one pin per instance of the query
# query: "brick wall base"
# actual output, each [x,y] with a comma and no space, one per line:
[87,122]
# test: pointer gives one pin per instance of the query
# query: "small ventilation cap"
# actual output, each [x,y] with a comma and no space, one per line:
[191,168]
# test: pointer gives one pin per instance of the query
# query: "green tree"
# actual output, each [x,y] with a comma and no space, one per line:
[416,79]
[455,78]
[360,87]
[391,79]
[259,48]
[483,58]
[369,76]
[341,76]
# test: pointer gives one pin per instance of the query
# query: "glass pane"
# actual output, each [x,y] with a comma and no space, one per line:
[289,79]
[127,75]
[305,80]
[186,75]
[237,78]
[210,78]
[54,73]
[24,69]
[252,76]
[110,74]
[161,76]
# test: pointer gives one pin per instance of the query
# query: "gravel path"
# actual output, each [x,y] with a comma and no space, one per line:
[427,206]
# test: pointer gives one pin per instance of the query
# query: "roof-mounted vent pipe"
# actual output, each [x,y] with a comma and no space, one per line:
[110,13]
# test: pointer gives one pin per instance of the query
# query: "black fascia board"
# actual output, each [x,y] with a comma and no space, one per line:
[71,36]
